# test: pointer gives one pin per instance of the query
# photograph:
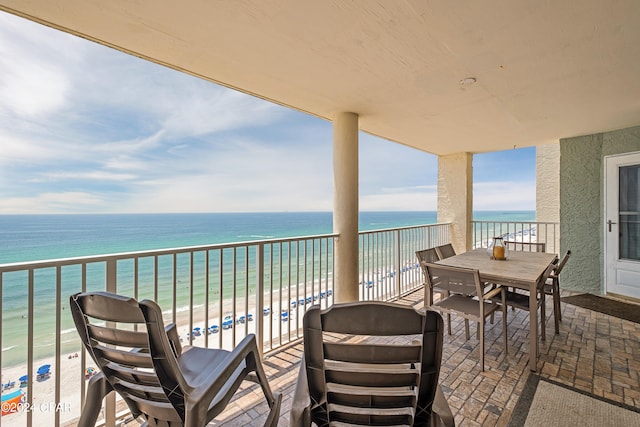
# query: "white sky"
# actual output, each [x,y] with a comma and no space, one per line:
[87,129]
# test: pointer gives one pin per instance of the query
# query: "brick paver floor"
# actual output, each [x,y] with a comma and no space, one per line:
[595,353]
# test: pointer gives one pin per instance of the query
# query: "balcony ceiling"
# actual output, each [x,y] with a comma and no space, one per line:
[544,70]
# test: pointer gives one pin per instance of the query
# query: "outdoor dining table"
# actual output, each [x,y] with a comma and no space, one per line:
[521,270]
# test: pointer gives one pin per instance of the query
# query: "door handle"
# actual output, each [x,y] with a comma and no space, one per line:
[609,223]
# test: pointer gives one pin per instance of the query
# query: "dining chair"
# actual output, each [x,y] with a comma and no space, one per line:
[371,363]
[445,251]
[552,287]
[161,381]
[524,247]
[432,255]
[469,299]
[520,300]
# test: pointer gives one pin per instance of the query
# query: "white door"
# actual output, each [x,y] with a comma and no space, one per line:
[622,225]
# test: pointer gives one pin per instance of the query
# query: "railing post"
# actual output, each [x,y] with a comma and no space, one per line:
[397,267]
[259,297]
[111,286]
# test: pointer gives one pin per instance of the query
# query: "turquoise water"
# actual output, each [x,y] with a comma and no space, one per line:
[40,237]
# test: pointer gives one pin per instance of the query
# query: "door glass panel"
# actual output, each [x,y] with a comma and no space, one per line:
[629,219]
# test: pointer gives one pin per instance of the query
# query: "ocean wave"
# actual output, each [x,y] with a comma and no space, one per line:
[183,308]
[9,348]
[44,345]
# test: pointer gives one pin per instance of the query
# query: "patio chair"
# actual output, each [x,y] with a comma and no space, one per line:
[521,299]
[523,247]
[445,251]
[159,380]
[371,363]
[432,255]
[552,287]
[469,299]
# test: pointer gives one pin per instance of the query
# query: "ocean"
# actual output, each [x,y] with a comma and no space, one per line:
[39,237]
[25,238]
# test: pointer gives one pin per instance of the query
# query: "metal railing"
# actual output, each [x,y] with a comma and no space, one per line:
[216,295]
[483,233]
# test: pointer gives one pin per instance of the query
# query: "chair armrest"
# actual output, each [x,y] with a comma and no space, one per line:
[210,385]
[493,292]
[300,415]
[441,412]
[97,389]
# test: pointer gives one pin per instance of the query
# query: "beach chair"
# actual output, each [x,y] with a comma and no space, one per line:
[161,381]
[43,372]
[370,363]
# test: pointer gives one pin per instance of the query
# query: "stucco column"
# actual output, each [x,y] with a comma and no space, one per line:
[455,197]
[548,191]
[345,206]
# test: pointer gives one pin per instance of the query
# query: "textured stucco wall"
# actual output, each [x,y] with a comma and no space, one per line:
[548,191]
[580,212]
[548,183]
[582,203]
[455,197]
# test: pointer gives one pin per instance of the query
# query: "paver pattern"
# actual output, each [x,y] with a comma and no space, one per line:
[595,353]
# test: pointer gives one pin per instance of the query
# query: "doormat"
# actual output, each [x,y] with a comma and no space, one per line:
[608,306]
[547,403]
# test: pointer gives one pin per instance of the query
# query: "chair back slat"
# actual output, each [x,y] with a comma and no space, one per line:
[123,358]
[117,336]
[361,320]
[372,353]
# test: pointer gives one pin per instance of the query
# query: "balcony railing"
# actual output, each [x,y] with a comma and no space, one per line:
[483,233]
[216,294]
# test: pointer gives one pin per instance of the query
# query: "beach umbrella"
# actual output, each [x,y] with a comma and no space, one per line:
[44,369]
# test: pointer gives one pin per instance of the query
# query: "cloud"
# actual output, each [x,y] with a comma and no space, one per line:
[88,129]
[63,202]
[497,195]
[401,201]
[85,175]
[34,81]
